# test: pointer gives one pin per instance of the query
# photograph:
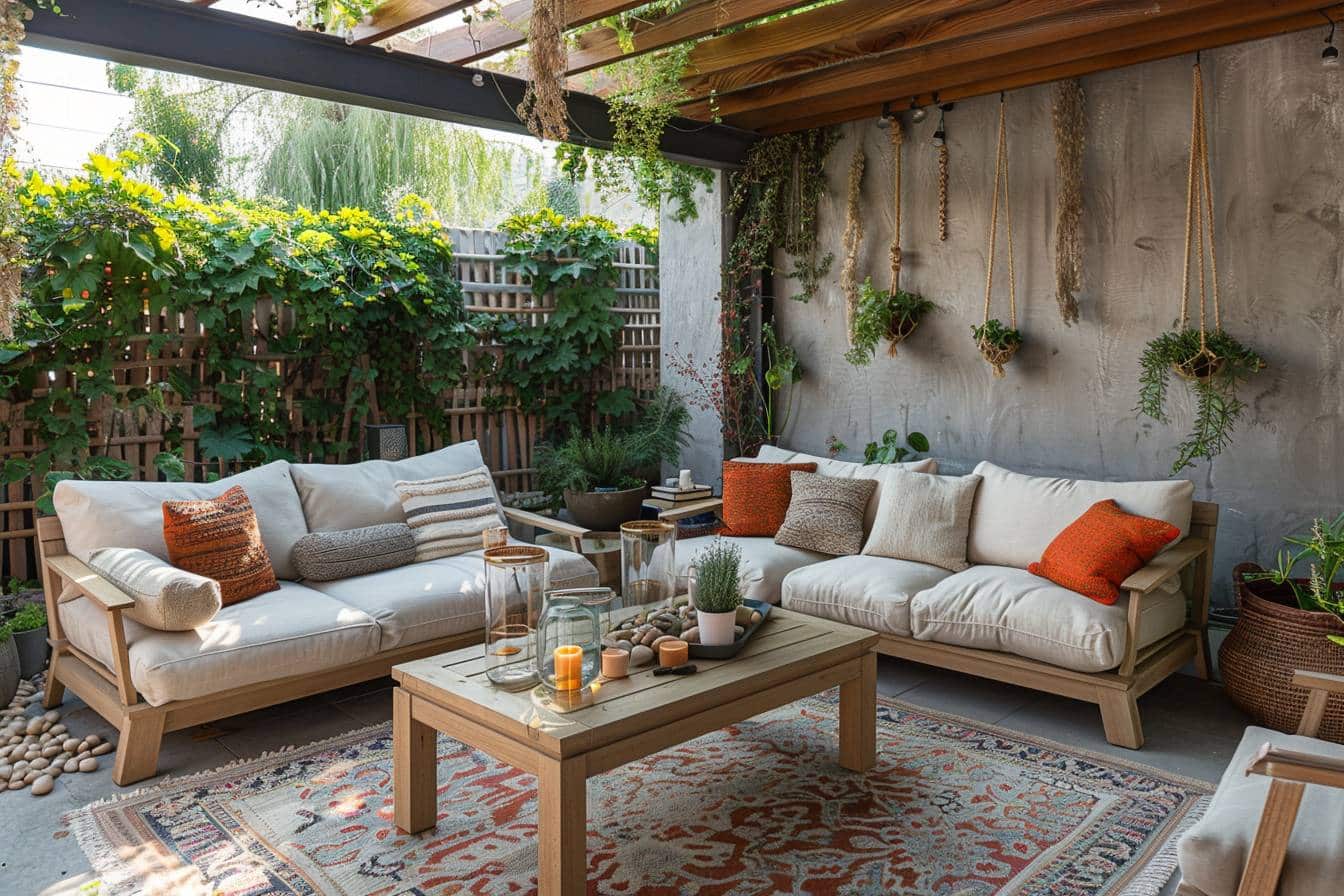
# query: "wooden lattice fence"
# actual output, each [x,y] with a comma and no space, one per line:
[481,411]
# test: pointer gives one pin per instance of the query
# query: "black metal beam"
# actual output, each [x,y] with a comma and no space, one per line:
[194,40]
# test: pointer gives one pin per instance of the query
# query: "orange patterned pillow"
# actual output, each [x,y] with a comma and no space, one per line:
[218,538]
[1102,548]
[756,497]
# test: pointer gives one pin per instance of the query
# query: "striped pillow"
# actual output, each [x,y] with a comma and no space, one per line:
[449,513]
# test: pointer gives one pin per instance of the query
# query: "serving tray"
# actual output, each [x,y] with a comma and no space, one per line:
[727,651]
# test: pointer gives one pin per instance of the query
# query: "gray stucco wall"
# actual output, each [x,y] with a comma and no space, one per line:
[690,259]
[1066,407]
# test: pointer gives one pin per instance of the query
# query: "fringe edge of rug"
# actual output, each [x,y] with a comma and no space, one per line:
[1161,867]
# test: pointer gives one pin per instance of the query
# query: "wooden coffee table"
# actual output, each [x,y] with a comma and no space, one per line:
[790,657]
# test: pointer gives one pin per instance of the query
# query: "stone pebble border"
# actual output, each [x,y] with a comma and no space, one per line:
[35,750]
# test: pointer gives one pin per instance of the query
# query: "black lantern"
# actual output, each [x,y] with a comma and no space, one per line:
[386,441]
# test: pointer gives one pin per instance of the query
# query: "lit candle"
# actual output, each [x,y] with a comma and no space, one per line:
[672,653]
[615,663]
[568,667]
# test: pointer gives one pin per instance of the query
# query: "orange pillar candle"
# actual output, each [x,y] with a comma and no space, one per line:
[568,667]
[672,653]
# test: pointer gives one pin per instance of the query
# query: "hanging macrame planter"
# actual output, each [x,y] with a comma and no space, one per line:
[1213,363]
[998,343]
[905,315]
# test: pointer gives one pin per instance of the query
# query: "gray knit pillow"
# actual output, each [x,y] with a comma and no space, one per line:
[825,513]
[324,556]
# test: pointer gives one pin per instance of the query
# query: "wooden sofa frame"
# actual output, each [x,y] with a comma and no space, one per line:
[1115,692]
[1289,772]
[141,726]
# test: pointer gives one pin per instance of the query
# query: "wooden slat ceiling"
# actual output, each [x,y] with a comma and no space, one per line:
[780,65]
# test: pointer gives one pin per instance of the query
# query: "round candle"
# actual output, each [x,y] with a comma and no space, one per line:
[672,653]
[615,663]
[568,667]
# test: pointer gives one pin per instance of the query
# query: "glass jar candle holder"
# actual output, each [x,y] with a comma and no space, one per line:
[648,562]
[516,578]
[569,642]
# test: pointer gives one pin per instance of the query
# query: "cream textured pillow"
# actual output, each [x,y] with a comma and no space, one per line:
[924,518]
[449,513]
[825,513]
[166,598]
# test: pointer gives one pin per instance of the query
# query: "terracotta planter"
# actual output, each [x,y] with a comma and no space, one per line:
[605,511]
[1273,638]
[9,671]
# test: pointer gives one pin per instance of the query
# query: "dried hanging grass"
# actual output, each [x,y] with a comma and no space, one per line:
[942,193]
[543,107]
[1067,113]
[853,237]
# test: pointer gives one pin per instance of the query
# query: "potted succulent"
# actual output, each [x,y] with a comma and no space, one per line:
[29,630]
[1288,622]
[883,315]
[718,593]
[9,666]
[603,476]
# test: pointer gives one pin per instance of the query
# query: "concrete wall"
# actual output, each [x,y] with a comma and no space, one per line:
[1066,406]
[690,258]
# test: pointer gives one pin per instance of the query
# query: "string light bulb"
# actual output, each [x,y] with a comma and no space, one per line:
[478,80]
[917,113]
[884,121]
[1330,55]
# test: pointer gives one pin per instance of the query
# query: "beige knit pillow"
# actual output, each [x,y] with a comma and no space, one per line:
[447,514]
[166,598]
[923,518]
[825,513]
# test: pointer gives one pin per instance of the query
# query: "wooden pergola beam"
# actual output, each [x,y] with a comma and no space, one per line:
[1105,61]
[695,20]
[1056,40]
[396,16]
[469,43]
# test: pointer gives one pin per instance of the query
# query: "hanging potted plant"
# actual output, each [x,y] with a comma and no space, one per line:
[1211,362]
[999,343]
[1288,622]
[884,315]
[718,593]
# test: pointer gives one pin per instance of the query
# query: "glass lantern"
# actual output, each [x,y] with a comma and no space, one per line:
[515,584]
[569,642]
[648,562]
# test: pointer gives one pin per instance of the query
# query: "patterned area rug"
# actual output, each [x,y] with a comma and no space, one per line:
[952,808]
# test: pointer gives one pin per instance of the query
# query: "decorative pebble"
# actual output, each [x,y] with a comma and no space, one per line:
[625,645]
[35,725]
[70,745]
[52,715]
[57,730]
[5,771]
[51,750]
[40,762]
[15,783]
[641,655]
[42,786]
[102,749]
[691,635]
[88,765]
[663,640]
[93,740]
[71,765]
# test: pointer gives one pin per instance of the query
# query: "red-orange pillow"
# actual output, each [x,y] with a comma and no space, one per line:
[756,497]
[1102,548]
[219,538]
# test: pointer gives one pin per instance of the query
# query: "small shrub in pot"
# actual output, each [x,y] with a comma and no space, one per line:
[718,592]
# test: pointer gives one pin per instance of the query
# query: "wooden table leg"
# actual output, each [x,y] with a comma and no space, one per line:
[414,768]
[562,827]
[858,718]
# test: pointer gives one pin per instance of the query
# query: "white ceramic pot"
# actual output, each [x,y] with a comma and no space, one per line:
[716,629]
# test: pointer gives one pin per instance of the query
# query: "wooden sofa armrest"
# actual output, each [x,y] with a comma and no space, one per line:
[1293,765]
[548,524]
[695,508]
[1165,565]
[1319,681]
[90,583]
[1319,685]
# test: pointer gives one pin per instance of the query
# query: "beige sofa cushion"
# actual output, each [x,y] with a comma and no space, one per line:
[439,598]
[843,469]
[1009,609]
[166,598]
[350,496]
[764,563]
[870,592]
[292,631]
[130,514]
[1017,516]
[1213,852]
[923,518]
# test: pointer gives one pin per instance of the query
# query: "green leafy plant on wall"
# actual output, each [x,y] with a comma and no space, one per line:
[893,450]
[1213,368]
[881,315]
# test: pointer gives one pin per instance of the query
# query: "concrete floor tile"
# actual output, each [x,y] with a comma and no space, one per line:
[372,708]
[966,695]
[896,676]
[287,725]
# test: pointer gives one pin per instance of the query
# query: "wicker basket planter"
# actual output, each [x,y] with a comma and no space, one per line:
[1271,639]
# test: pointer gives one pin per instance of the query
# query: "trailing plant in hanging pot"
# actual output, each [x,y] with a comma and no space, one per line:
[998,343]
[883,315]
[1212,363]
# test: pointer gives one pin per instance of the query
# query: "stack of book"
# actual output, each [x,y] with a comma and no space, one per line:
[675,496]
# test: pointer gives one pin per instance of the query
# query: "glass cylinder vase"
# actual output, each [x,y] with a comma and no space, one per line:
[648,562]
[569,642]
[516,578]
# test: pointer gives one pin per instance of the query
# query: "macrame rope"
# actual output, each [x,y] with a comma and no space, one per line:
[942,190]
[1001,176]
[1199,219]
[897,141]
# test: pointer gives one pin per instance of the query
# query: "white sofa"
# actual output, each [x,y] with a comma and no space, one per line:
[995,618]
[304,638]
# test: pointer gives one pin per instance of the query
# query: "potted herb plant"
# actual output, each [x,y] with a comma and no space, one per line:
[718,593]
[997,343]
[883,315]
[9,666]
[1287,622]
[29,629]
